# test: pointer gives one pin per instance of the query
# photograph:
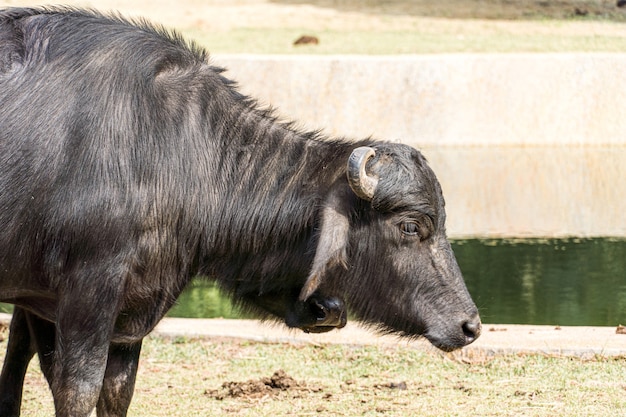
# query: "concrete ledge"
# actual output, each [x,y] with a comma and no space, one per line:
[449,99]
[583,342]
[523,144]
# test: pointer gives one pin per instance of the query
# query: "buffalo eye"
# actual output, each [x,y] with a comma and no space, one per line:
[409,228]
[417,228]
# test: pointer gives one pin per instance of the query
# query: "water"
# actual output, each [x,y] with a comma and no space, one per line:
[557,282]
[561,282]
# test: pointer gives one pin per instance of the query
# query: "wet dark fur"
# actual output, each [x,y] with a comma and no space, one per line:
[129,164]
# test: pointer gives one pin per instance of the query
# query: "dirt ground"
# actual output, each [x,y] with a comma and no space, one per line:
[374,27]
[221,15]
[381,27]
[578,341]
[184,376]
[256,388]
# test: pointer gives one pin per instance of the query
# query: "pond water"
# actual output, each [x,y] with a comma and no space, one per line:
[558,282]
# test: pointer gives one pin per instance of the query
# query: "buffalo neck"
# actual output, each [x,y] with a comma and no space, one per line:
[273,180]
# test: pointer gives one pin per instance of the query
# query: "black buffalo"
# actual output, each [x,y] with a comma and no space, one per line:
[129,164]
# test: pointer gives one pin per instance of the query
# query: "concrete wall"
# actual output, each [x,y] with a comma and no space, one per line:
[523,144]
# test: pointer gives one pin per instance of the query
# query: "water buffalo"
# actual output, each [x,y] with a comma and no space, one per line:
[129,164]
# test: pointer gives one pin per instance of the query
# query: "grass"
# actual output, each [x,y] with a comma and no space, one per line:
[278,41]
[181,377]
[415,27]
[376,27]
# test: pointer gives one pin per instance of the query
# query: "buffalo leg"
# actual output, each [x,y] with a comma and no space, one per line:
[43,334]
[84,328]
[77,373]
[20,351]
[119,380]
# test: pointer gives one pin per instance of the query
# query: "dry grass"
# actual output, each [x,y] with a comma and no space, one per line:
[228,377]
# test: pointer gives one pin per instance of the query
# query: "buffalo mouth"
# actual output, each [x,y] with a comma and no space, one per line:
[318,315]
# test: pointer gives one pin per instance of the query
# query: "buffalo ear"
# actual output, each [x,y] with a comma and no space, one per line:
[331,249]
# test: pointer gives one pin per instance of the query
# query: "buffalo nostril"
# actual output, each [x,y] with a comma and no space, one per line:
[319,311]
[471,329]
[329,312]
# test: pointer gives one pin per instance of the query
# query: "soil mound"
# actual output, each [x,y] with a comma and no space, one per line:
[254,388]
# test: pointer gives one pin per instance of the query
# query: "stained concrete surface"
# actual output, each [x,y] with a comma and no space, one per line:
[524,145]
[577,341]
[580,341]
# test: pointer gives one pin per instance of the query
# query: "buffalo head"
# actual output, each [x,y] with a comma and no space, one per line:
[383,246]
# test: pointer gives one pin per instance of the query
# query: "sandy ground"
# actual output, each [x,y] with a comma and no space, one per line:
[580,341]
[486,17]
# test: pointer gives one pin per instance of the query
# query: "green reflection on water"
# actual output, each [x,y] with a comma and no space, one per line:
[202,299]
[566,282]
[562,282]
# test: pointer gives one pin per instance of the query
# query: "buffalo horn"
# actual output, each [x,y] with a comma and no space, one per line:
[362,184]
